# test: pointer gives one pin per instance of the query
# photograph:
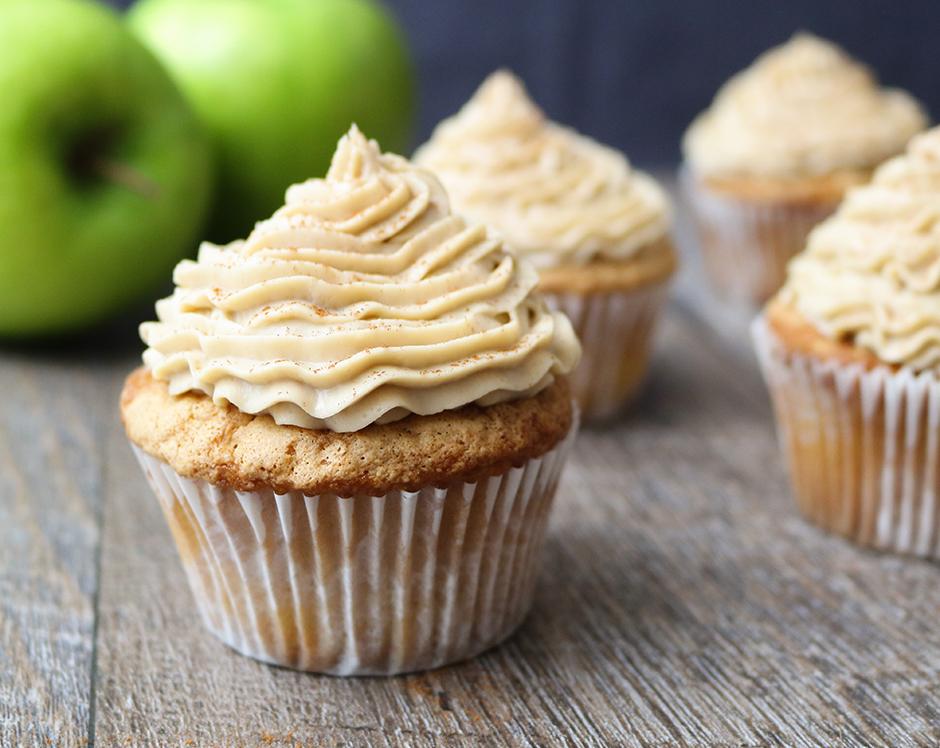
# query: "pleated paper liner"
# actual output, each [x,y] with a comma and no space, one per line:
[368,584]
[616,333]
[746,245]
[863,446]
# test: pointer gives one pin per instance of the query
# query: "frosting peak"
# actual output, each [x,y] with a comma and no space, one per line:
[502,106]
[807,55]
[558,197]
[871,272]
[804,108]
[361,300]
[355,158]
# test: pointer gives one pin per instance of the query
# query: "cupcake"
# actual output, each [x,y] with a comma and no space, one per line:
[354,421]
[776,152]
[596,229]
[850,348]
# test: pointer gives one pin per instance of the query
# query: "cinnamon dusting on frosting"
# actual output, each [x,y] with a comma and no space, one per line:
[802,109]
[558,197]
[870,274]
[362,300]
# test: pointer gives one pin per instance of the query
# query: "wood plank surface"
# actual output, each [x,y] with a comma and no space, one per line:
[683,602]
[51,423]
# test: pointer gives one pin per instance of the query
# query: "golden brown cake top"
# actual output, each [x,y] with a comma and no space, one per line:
[558,197]
[220,444]
[802,109]
[650,266]
[802,337]
[824,189]
[870,273]
[360,301]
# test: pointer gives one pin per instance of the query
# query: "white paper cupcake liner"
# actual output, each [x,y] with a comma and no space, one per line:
[367,584]
[746,245]
[616,333]
[863,446]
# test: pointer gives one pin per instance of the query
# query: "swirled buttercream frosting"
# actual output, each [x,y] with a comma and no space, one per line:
[870,274]
[362,300]
[558,197]
[802,109]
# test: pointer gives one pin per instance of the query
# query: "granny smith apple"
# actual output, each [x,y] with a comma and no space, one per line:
[104,169]
[277,82]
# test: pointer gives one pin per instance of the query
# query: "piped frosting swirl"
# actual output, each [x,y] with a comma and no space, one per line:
[871,273]
[557,196]
[802,109]
[360,301]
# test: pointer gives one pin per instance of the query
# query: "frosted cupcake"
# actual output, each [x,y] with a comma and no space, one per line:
[354,421]
[851,352]
[776,152]
[597,230]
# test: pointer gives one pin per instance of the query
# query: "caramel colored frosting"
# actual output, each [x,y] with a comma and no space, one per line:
[870,274]
[802,109]
[360,301]
[557,196]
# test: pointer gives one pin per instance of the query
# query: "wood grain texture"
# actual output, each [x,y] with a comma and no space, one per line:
[51,419]
[683,602]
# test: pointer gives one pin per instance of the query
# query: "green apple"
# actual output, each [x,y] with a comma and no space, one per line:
[104,169]
[277,82]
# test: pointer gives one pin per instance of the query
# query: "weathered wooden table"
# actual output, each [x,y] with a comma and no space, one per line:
[682,602]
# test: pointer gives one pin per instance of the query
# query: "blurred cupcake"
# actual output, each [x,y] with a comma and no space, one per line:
[850,348]
[354,421]
[596,229]
[775,153]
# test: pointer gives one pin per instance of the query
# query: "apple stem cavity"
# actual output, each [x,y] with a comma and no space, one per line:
[124,176]
[90,160]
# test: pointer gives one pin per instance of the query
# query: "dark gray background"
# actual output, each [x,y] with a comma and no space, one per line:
[632,73]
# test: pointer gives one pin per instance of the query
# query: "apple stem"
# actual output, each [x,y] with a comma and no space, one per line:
[125,176]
